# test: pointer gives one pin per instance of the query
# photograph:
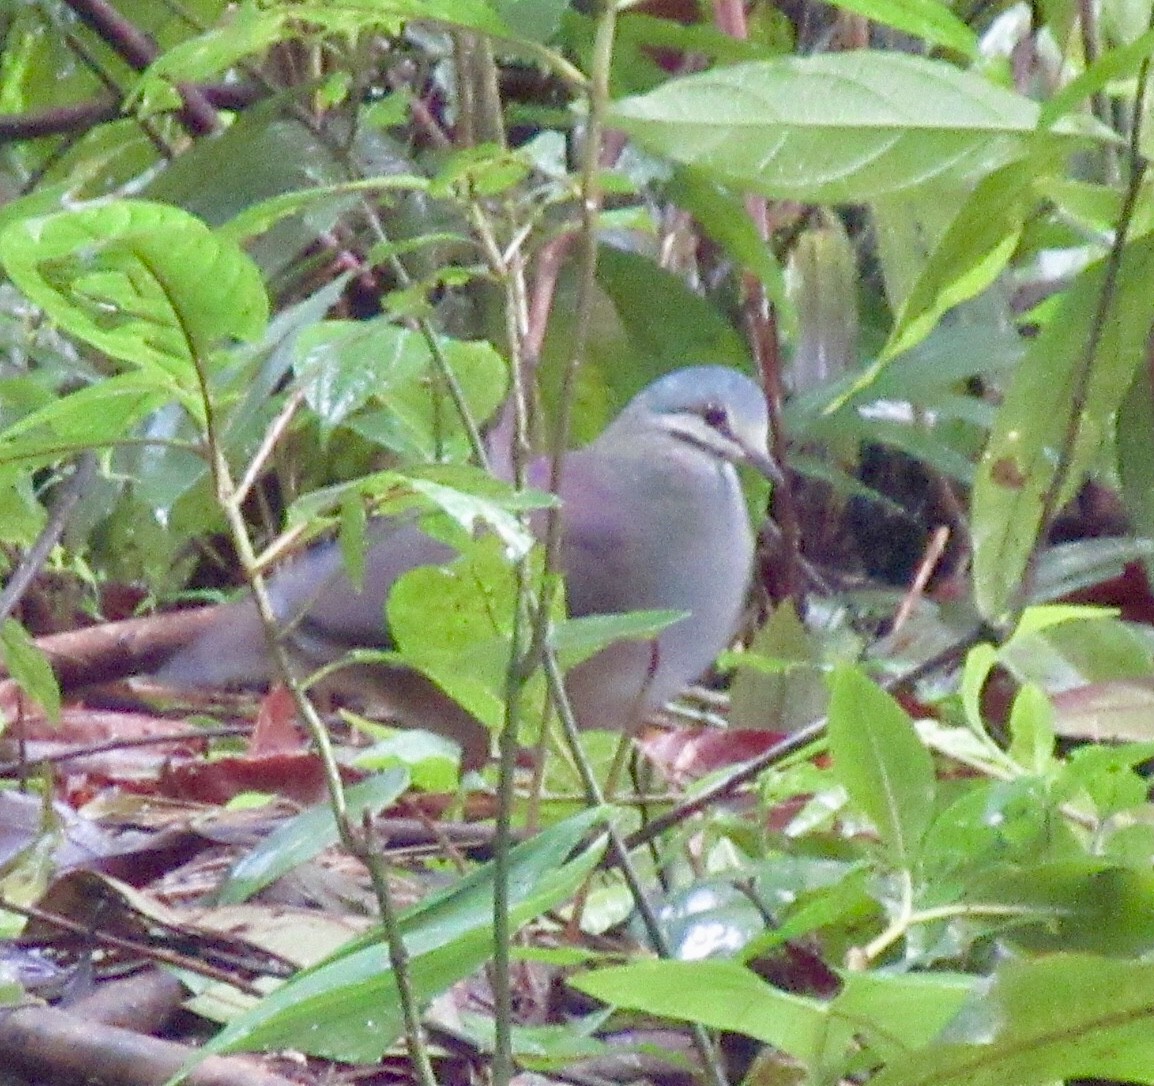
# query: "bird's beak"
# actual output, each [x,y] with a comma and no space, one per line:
[762,462]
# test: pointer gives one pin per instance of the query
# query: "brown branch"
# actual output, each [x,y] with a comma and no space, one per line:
[81,115]
[54,1045]
[197,113]
[114,650]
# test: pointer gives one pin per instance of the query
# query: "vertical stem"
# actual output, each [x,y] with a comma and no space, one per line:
[1138,167]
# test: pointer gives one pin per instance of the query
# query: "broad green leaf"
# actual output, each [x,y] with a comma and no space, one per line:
[663,318]
[98,416]
[342,364]
[417,418]
[29,667]
[347,1008]
[468,496]
[718,994]
[838,127]
[881,762]
[146,283]
[473,510]
[930,20]
[779,684]
[251,30]
[1112,776]
[535,20]
[1068,1016]
[1078,904]
[22,517]
[1047,405]
[908,225]
[303,837]
[896,1012]
[1032,730]
[1037,619]
[888,1014]
[464,643]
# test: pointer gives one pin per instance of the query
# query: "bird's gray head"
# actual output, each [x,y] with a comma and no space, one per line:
[710,407]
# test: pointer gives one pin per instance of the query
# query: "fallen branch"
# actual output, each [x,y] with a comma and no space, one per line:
[56,1046]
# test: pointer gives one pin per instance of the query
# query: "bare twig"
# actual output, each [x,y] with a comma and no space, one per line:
[56,1046]
[80,116]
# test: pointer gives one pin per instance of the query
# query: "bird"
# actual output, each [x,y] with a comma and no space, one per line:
[653,517]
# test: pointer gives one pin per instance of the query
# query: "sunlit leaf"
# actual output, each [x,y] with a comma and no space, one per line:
[838,127]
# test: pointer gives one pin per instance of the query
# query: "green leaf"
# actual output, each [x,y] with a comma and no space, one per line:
[896,1012]
[1032,730]
[29,667]
[305,836]
[779,683]
[974,250]
[1044,407]
[468,496]
[473,510]
[146,283]
[724,217]
[1110,775]
[721,995]
[347,1007]
[464,643]
[577,639]
[822,284]
[98,416]
[838,127]
[417,418]
[1079,904]
[1112,65]
[250,30]
[1063,1017]
[341,365]
[929,20]
[881,762]
[663,318]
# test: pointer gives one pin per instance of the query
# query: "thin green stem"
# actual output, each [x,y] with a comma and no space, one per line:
[1138,167]
[710,1059]
[876,947]
[398,958]
[227,495]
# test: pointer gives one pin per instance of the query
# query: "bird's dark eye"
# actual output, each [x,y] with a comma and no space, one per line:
[716,416]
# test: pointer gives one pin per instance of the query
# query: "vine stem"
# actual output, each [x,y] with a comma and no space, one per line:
[1138,168]
[228,495]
